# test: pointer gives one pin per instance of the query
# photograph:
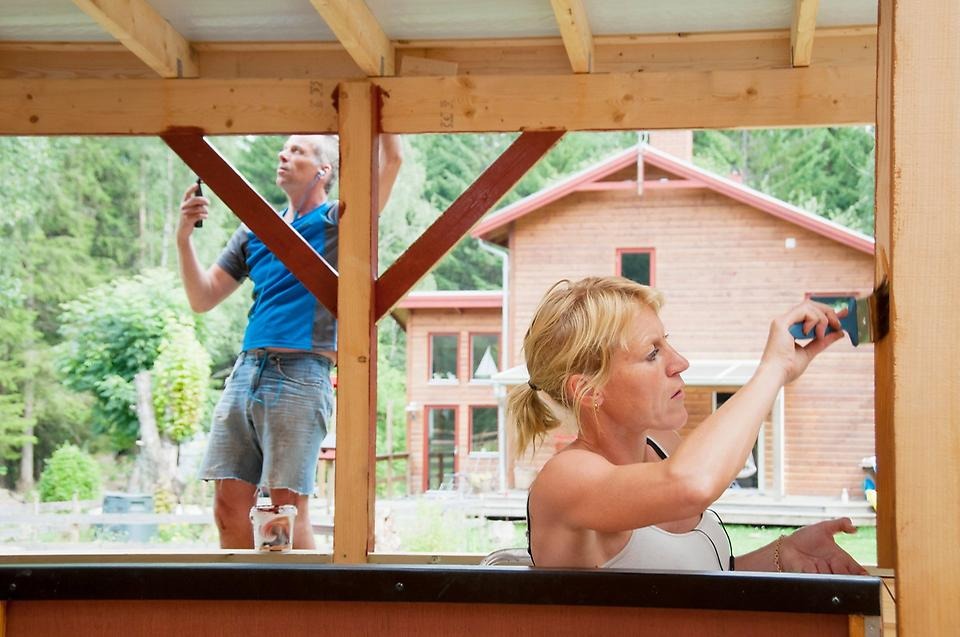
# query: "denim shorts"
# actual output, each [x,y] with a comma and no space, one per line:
[269,423]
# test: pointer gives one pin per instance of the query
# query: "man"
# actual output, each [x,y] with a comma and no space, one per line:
[278,400]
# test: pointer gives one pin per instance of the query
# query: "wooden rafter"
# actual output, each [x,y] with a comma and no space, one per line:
[361,35]
[298,255]
[475,201]
[575,31]
[802,30]
[146,34]
[357,331]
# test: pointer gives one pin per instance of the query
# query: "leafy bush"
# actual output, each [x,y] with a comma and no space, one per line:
[121,328]
[109,334]
[181,375]
[69,471]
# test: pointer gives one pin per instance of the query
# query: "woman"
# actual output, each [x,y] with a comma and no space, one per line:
[627,493]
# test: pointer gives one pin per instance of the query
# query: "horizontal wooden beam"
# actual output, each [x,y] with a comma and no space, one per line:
[284,242]
[447,230]
[142,30]
[817,96]
[813,96]
[734,50]
[151,107]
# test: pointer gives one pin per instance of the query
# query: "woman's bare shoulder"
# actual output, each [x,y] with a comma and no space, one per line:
[567,470]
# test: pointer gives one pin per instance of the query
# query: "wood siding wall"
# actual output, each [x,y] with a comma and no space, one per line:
[461,395]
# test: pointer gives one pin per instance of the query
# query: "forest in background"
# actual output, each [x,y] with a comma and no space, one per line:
[90,297]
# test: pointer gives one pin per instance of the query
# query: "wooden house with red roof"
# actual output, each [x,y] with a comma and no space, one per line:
[727,257]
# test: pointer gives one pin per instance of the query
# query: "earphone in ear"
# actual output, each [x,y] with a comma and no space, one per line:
[321,172]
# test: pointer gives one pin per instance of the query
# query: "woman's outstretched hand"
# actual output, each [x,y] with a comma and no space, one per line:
[784,352]
[813,549]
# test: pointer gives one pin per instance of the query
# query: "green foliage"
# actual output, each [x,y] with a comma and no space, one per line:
[112,333]
[16,337]
[181,374]
[829,171]
[164,501]
[256,159]
[69,471]
[453,162]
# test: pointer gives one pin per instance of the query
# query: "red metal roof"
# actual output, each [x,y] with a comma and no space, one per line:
[452,299]
[686,170]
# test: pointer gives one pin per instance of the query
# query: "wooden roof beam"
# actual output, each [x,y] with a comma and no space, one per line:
[575,31]
[360,34]
[817,96]
[454,223]
[299,256]
[146,34]
[802,30]
[822,95]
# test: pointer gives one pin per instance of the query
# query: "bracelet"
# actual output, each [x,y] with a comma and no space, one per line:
[776,554]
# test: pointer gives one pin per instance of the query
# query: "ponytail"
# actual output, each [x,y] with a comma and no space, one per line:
[532,415]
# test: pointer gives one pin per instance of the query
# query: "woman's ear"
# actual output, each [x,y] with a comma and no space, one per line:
[572,387]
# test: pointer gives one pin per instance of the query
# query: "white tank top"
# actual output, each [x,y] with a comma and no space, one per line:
[706,547]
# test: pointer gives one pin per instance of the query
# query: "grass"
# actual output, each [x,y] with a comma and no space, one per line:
[862,545]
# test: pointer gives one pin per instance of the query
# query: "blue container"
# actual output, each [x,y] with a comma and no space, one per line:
[129,503]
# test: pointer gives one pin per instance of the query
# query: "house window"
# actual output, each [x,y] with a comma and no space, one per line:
[636,264]
[443,357]
[749,476]
[483,429]
[441,449]
[484,356]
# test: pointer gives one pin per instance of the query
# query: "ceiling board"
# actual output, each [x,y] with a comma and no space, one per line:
[296,20]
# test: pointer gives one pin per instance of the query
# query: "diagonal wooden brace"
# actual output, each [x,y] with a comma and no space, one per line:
[284,242]
[450,227]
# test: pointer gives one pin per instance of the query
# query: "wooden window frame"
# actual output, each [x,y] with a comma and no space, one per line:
[425,452]
[618,265]
[470,451]
[470,335]
[456,366]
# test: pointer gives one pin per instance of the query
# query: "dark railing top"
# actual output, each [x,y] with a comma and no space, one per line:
[778,592]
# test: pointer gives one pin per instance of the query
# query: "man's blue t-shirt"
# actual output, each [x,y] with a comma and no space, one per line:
[284,313]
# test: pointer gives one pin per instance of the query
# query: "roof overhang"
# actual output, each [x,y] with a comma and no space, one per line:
[704,372]
[441,300]
[495,226]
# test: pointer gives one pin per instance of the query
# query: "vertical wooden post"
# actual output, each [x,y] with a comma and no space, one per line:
[356,338]
[883,350]
[918,417]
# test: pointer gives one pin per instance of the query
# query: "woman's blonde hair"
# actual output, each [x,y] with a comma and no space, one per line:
[576,330]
